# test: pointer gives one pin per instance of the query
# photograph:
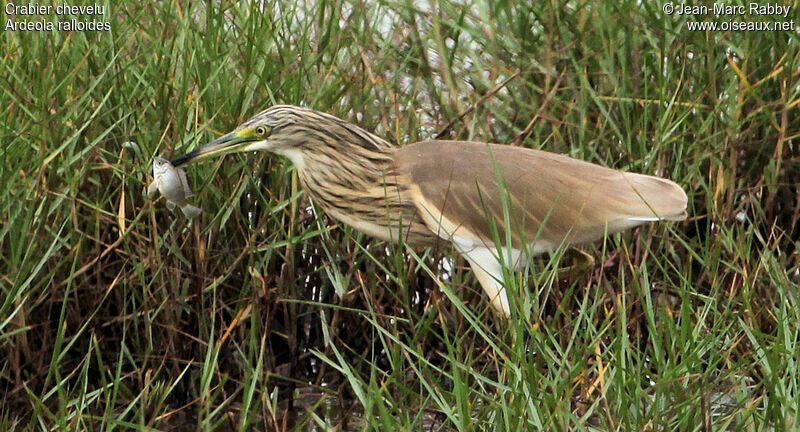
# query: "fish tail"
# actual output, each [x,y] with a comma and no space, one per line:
[190,211]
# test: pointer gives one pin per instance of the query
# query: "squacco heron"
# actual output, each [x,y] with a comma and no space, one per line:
[458,191]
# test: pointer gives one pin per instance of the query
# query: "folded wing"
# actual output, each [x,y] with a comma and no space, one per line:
[539,197]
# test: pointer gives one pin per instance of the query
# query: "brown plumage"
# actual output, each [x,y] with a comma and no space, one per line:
[573,199]
[468,193]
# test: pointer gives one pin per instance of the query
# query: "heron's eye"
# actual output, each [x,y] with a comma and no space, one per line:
[261,130]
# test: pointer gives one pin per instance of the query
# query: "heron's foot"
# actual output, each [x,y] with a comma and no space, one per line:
[579,261]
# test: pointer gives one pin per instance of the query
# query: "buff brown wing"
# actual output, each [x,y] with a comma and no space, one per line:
[477,188]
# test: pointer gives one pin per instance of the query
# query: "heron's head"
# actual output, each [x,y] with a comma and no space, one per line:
[290,131]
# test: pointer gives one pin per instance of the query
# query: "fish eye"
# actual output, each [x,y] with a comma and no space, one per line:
[261,130]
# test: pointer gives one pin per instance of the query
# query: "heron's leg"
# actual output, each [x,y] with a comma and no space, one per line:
[489,272]
[580,263]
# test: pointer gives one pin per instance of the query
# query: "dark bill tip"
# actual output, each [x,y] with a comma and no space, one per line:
[185,158]
[229,143]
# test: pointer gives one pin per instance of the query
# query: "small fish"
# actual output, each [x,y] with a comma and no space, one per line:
[172,184]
